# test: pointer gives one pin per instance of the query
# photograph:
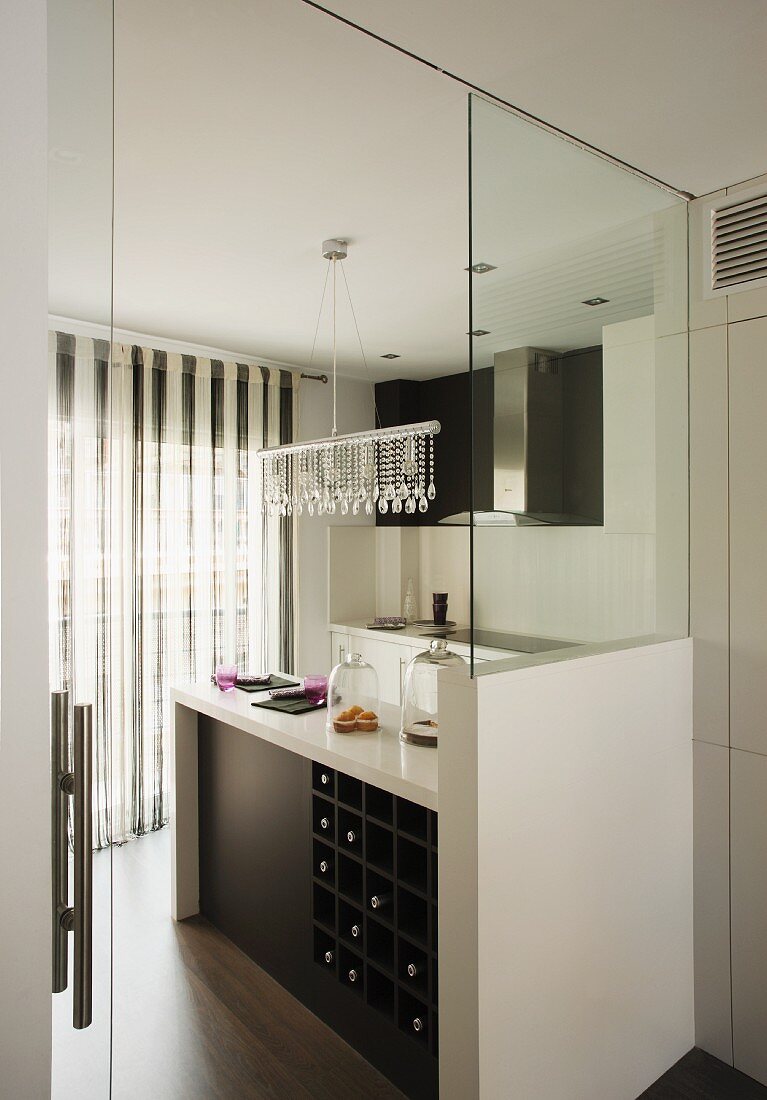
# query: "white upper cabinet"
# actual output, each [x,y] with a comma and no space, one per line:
[748,536]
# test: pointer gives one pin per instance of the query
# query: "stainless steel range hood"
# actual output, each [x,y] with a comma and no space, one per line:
[539,421]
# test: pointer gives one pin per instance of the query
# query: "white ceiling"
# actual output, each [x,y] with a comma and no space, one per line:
[560,227]
[247,131]
[675,87]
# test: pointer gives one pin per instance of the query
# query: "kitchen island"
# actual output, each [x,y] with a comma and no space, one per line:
[315,853]
[545,912]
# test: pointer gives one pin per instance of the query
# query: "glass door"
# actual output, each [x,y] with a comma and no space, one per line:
[79,357]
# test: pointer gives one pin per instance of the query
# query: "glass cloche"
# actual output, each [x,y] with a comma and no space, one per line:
[353,697]
[419,696]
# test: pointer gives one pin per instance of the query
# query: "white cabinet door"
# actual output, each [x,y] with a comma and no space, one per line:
[748,537]
[339,647]
[389,660]
[407,653]
[748,793]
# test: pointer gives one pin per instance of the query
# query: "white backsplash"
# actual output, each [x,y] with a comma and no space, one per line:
[578,583]
[444,567]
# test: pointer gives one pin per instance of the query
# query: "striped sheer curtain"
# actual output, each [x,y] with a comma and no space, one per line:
[161,564]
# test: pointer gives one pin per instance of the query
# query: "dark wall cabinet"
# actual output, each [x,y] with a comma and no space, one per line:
[457,400]
[448,400]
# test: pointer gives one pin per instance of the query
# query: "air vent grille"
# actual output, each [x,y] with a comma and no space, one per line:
[545,364]
[739,244]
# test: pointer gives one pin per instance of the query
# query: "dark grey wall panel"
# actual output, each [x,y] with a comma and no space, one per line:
[256,854]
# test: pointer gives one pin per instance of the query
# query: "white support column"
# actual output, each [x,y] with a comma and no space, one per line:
[584,884]
[458,960]
[184,819]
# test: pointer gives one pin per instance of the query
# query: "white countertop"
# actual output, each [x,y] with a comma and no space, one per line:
[415,636]
[408,635]
[378,758]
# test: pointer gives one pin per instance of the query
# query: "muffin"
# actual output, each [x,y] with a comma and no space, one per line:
[345,722]
[367,721]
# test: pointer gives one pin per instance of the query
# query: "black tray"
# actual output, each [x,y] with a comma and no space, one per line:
[271,684]
[289,706]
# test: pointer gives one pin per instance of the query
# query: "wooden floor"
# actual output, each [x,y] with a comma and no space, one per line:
[699,1076]
[195,1019]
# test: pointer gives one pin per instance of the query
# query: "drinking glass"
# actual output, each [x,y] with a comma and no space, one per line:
[316,689]
[439,607]
[226,677]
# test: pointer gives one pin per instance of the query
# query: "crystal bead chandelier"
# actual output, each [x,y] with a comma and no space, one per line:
[388,468]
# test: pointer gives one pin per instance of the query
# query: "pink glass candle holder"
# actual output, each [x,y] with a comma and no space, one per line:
[226,677]
[316,689]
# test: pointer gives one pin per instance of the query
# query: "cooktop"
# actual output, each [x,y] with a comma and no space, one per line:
[496,639]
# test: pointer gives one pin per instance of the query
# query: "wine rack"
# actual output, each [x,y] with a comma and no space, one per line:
[374,899]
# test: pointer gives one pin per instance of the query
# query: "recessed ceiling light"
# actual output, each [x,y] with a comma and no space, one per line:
[478,332]
[390,355]
[595,302]
[480,268]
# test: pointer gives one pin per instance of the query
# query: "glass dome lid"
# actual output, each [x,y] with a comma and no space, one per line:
[419,696]
[353,701]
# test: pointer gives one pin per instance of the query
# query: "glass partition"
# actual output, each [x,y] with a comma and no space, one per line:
[579,379]
[79,342]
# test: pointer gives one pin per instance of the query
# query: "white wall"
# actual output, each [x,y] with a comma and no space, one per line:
[355,413]
[437,559]
[728,605]
[444,566]
[25,922]
[565,582]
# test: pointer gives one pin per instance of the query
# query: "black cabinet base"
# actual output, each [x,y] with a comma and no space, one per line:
[259,884]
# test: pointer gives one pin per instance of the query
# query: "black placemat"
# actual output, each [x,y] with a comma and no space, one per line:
[289,706]
[271,684]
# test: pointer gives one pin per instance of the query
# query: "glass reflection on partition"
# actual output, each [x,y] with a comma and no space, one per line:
[579,349]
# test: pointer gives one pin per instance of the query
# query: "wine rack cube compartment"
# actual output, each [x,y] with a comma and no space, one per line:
[374,899]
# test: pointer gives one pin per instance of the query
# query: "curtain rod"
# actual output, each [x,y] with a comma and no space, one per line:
[518,111]
[94,329]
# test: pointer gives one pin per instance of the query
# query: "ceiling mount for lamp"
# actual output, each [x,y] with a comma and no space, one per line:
[335,249]
[384,468]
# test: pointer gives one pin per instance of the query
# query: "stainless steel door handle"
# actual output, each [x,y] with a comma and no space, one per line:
[77,918]
[60,779]
[83,915]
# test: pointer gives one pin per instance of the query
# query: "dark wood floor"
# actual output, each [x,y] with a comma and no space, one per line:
[195,1019]
[699,1076]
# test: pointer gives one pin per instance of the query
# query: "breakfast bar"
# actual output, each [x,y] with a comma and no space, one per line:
[316,853]
[441,946]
